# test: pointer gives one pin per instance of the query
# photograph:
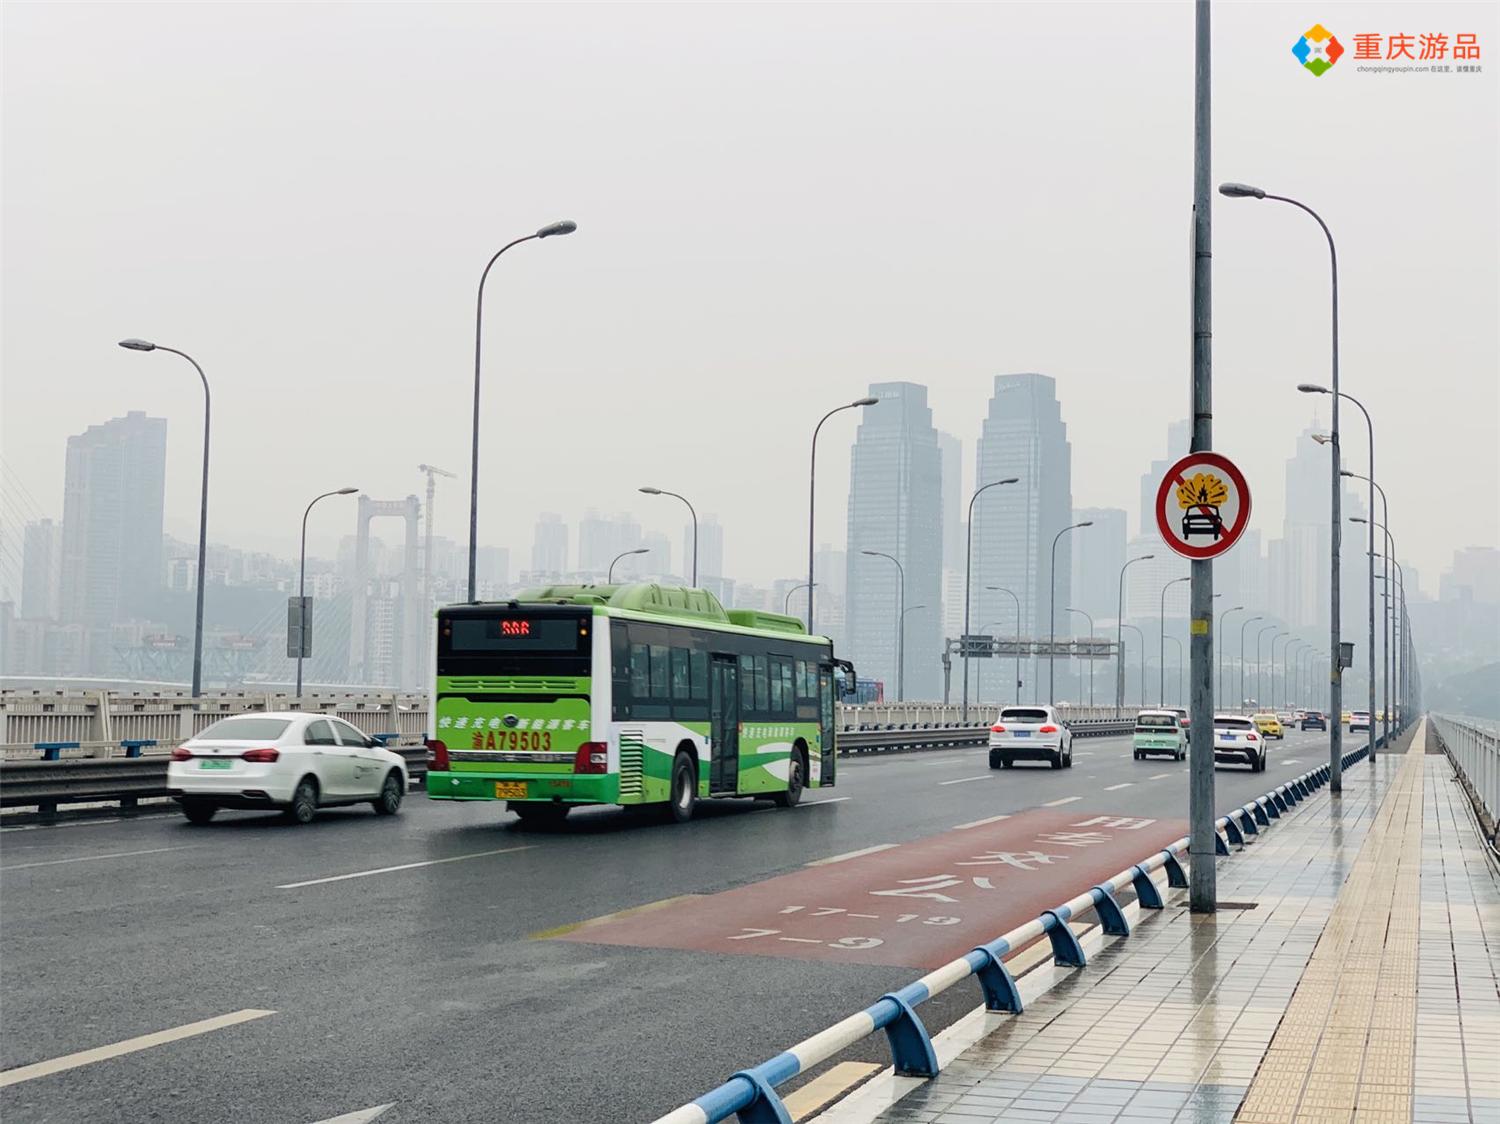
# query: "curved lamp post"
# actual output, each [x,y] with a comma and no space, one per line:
[1260,667]
[786,603]
[564,227]
[145,345]
[900,621]
[1162,650]
[1385,624]
[302,575]
[1052,609]
[694,514]
[610,577]
[812,495]
[1217,633]
[1090,619]
[1240,702]
[1120,637]
[1011,594]
[968,574]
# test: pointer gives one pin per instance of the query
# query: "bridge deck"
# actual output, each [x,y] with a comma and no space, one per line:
[1360,985]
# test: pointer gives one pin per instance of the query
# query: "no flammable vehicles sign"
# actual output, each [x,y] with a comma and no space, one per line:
[1202,505]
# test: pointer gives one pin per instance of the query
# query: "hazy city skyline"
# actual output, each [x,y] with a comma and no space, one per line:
[750,269]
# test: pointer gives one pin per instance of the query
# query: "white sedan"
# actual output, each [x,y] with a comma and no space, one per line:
[289,760]
[1030,733]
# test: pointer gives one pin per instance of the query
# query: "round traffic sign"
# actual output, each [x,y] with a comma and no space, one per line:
[1202,505]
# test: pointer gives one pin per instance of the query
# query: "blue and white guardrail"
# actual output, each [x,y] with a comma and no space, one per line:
[751,1093]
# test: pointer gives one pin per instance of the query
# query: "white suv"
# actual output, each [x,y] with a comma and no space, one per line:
[1238,740]
[1030,733]
[288,760]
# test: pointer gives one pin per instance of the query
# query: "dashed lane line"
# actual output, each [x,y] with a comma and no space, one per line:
[830,800]
[129,1046]
[92,858]
[1161,776]
[851,854]
[403,866]
[362,1116]
[1064,800]
[965,780]
[980,823]
[1117,787]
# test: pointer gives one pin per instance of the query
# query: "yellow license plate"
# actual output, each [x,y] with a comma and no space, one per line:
[510,790]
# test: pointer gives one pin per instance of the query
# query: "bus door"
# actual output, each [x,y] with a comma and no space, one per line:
[826,721]
[724,724]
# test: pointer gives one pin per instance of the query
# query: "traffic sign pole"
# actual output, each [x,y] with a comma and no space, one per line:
[1202,885]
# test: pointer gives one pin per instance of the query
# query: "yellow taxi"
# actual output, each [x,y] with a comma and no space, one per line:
[1347,715]
[1268,725]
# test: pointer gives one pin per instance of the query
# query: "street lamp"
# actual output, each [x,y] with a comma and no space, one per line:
[1335,666]
[1240,702]
[1120,639]
[1017,600]
[564,227]
[968,572]
[1090,619]
[1052,609]
[1385,624]
[610,577]
[1177,642]
[1286,673]
[1141,639]
[302,579]
[694,514]
[786,604]
[900,622]
[1260,667]
[1390,549]
[1287,636]
[1217,633]
[812,495]
[144,345]
[1162,650]
[1311,388]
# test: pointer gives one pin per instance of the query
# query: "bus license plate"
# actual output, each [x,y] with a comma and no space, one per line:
[510,790]
[214,763]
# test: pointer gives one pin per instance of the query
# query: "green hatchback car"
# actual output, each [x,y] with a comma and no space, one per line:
[1160,732]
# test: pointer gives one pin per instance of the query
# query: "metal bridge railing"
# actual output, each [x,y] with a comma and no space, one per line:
[1474,746]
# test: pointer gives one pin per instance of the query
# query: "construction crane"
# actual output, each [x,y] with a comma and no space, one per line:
[433,473]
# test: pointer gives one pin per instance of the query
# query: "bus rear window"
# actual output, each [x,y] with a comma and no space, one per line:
[466,636]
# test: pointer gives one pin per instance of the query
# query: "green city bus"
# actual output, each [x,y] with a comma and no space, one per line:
[634,695]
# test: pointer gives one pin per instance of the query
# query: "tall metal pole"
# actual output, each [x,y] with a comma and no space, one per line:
[1260,667]
[1161,651]
[1090,619]
[812,496]
[1052,610]
[968,579]
[691,512]
[1385,520]
[564,227]
[1219,653]
[1202,885]
[1017,671]
[1120,634]
[900,622]
[302,576]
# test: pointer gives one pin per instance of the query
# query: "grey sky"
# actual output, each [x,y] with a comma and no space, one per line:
[777,205]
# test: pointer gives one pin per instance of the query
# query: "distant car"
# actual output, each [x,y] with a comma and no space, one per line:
[1359,720]
[1237,741]
[1287,717]
[1345,717]
[1313,720]
[1268,725]
[1160,732]
[1030,733]
[284,759]
[1181,712]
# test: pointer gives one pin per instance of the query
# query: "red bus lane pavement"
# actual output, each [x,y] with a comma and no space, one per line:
[917,905]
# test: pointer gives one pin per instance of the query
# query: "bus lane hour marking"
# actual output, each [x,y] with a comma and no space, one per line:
[917,905]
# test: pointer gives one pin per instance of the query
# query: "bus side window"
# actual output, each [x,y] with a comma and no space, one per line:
[762,685]
[747,685]
[699,663]
[661,672]
[776,697]
[640,672]
[680,677]
[788,694]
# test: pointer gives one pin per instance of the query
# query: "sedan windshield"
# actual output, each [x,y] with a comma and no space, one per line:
[247,728]
[1234,723]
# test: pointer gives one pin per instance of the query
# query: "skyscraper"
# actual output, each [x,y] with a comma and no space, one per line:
[1023,436]
[549,545]
[602,538]
[1179,445]
[710,549]
[952,452]
[896,506]
[41,566]
[113,494]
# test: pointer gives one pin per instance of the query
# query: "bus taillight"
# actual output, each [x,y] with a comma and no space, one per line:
[437,756]
[592,757]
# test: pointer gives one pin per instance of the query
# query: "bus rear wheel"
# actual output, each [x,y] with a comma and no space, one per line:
[683,796]
[796,780]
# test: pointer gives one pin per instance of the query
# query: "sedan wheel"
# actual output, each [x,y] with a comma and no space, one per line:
[304,804]
[388,803]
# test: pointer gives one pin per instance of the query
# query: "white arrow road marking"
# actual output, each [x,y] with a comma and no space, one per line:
[129,1046]
[363,1116]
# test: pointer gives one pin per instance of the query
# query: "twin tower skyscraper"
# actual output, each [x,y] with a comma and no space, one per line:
[901,501]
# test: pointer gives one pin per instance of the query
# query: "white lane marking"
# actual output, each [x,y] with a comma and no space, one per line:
[1291,761]
[981,823]
[1160,776]
[129,1046]
[1117,787]
[1084,753]
[363,1116]
[403,866]
[830,800]
[851,854]
[1064,800]
[90,823]
[965,780]
[93,858]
